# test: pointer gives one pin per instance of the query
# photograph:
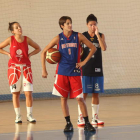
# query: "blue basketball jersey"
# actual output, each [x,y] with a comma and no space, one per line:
[70,55]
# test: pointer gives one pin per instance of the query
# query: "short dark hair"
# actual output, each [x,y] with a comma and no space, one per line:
[63,19]
[91,17]
[10,28]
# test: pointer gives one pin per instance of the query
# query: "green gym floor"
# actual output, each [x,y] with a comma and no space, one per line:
[121,115]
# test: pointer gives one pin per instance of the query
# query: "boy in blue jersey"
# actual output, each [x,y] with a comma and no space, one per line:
[92,71]
[68,73]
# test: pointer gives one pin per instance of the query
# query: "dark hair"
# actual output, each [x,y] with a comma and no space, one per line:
[91,17]
[10,28]
[63,19]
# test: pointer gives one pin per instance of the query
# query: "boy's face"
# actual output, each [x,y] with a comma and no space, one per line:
[91,26]
[17,29]
[67,25]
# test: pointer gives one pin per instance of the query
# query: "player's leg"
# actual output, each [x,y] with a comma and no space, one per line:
[16,104]
[98,88]
[65,109]
[29,106]
[14,77]
[62,88]
[77,92]
[81,121]
[83,108]
[27,86]
[85,83]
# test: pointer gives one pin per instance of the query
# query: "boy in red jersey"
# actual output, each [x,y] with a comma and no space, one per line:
[19,71]
[68,79]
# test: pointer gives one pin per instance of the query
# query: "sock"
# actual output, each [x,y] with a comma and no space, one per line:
[17,111]
[79,110]
[68,119]
[86,119]
[95,109]
[29,110]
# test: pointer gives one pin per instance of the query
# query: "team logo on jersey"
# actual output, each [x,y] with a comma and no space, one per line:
[62,39]
[91,38]
[19,54]
[96,45]
[97,70]
[14,46]
[77,70]
[74,37]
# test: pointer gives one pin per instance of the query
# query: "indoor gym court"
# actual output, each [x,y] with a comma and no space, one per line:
[119,105]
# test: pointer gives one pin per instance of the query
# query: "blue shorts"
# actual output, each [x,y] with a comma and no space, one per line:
[93,84]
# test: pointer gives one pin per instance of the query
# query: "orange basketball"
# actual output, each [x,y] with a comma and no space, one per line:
[53,56]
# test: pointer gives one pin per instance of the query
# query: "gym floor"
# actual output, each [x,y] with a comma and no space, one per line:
[121,115]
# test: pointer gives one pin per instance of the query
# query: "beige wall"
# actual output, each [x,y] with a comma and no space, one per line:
[118,20]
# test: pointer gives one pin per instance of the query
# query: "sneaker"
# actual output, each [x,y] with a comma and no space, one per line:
[68,127]
[30,118]
[18,119]
[96,121]
[81,120]
[89,127]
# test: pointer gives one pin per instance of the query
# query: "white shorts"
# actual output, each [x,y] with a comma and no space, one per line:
[20,78]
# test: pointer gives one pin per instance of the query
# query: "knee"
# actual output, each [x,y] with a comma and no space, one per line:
[80,100]
[95,95]
[16,95]
[28,95]
[63,99]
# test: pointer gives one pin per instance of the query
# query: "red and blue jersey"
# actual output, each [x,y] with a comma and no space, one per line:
[70,55]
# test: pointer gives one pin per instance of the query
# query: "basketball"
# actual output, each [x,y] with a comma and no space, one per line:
[53,56]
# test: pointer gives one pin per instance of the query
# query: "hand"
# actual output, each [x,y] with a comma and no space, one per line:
[9,56]
[29,56]
[79,65]
[96,30]
[44,74]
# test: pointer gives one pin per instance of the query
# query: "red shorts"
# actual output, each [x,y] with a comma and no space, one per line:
[68,84]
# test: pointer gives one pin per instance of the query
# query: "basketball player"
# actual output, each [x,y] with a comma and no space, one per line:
[93,80]
[68,74]
[19,71]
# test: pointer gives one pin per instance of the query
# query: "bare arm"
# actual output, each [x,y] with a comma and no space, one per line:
[101,39]
[92,48]
[3,45]
[34,45]
[53,42]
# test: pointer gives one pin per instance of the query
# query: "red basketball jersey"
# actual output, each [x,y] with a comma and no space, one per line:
[19,52]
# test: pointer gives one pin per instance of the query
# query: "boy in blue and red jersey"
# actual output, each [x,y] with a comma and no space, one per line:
[68,73]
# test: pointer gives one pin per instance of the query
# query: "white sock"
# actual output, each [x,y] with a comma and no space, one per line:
[79,110]
[17,111]
[29,110]
[95,109]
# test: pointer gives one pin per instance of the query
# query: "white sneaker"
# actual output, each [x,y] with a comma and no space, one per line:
[96,121]
[30,118]
[18,119]
[81,120]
